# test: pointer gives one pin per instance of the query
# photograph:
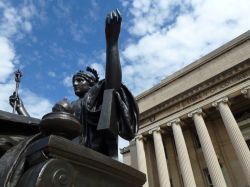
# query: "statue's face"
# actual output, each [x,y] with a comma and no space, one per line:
[81,86]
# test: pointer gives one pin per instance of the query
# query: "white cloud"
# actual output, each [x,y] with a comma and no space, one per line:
[93,11]
[7,54]
[28,11]
[172,34]
[67,81]
[36,105]
[14,24]
[15,21]
[51,74]
[81,62]
[150,15]
[99,68]
[27,26]
[5,91]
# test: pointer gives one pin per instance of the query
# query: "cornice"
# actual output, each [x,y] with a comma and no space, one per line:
[205,59]
[202,91]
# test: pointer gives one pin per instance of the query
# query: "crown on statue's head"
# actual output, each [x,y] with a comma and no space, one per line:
[89,75]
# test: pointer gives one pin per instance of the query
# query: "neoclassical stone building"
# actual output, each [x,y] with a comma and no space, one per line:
[195,124]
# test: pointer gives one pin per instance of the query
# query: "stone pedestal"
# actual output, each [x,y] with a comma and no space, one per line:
[55,161]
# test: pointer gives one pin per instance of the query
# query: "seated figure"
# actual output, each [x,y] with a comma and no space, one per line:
[88,108]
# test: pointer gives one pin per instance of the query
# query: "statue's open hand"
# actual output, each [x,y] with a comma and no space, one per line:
[113,26]
[15,98]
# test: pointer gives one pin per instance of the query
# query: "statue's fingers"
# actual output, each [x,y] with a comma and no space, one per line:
[111,16]
[11,100]
[13,97]
[119,15]
[114,17]
[14,94]
[107,19]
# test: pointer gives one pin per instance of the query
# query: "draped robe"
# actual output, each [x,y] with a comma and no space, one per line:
[87,109]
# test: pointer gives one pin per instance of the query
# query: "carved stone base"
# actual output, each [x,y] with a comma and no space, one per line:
[55,161]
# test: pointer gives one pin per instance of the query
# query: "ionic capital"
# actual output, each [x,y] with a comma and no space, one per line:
[246,91]
[197,111]
[222,100]
[176,121]
[138,137]
[156,129]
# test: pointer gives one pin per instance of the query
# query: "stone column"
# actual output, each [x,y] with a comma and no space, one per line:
[185,165]
[246,92]
[208,149]
[141,158]
[161,161]
[235,135]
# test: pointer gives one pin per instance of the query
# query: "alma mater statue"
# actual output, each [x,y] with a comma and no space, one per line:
[104,108]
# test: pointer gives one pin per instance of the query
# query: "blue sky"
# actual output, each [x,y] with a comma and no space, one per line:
[49,40]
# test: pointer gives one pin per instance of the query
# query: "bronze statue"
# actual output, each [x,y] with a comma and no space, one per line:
[105,108]
[14,99]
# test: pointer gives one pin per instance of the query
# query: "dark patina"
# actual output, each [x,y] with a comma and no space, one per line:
[104,109]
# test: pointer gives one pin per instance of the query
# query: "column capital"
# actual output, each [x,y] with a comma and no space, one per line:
[138,137]
[222,100]
[197,111]
[156,129]
[175,121]
[245,91]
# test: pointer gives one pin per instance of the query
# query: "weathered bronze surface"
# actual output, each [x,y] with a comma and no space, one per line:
[104,110]
[14,128]
[54,161]
[60,123]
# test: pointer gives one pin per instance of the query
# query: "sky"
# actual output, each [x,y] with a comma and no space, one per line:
[50,40]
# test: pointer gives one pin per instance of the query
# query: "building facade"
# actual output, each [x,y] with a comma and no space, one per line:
[195,124]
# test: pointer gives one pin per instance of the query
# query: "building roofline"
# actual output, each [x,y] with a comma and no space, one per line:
[205,59]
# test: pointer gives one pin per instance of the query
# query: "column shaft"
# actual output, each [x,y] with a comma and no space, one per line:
[141,159]
[209,152]
[236,137]
[162,166]
[185,165]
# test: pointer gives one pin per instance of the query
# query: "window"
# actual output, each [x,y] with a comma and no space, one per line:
[197,141]
[248,143]
[208,178]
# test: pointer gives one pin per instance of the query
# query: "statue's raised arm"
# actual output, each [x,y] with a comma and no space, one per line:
[105,108]
[119,112]
[113,76]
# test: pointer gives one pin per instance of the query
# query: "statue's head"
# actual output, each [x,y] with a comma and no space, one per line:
[83,80]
